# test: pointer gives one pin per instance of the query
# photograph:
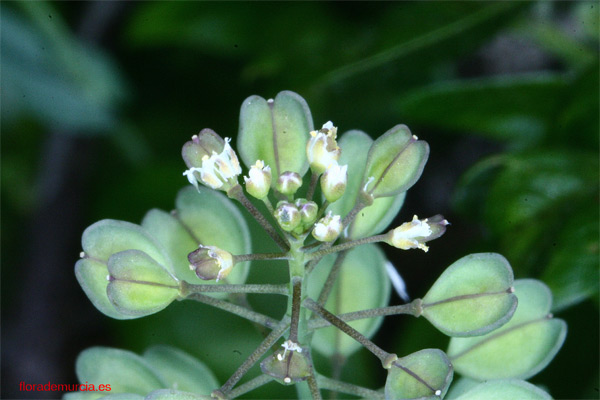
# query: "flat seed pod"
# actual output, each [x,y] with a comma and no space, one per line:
[395,162]
[519,349]
[125,371]
[362,283]
[100,241]
[375,218]
[276,132]
[473,296]
[171,394]
[180,370]
[202,216]
[425,374]
[139,285]
[502,389]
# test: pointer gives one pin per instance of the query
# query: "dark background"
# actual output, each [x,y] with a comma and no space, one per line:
[98,97]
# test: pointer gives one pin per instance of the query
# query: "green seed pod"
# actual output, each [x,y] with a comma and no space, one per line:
[308,212]
[473,296]
[204,217]
[138,285]
[395,162]
[288,365]
[376,217]
[275,131]
[125,371]
[424,375]
[100,241]
[519,349]
[171,394]
[356,288]
[504,389]
[181,370]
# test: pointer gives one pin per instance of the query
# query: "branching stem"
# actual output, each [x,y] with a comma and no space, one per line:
[414,308]
[386,358]
[344,246]
[250,385]
[260,257]
[189,288]
[238,194]
[348,388]
[266,344]
[314,179]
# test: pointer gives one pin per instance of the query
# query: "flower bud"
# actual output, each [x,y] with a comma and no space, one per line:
[287,216]
[210,263]
[308,211]
[333,182]
[322,149]
[259,181]
[288,183]
[210,162]
[414,234]
[328,228]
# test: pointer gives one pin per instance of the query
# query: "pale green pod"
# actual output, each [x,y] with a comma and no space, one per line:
[99,242]
[138,285]
[395,162]
[376,217]
[519,349]
[275,131]
[473,296]
[172,394]
[125,371]
[503,389]
[206,217]
[362,283]
[180,370]
[423,375]
[287,366]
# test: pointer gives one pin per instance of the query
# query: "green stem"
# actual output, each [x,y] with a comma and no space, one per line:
[250,386]
[237,193]
[296,300]
[260,257]
[386,358]
[268,204]
[344,246]
[235,309]
[322,209]
[189,288]
[331,278]
[352,214]
[266,344]
[314,178]
[348,388]
[414,308]
[313,384]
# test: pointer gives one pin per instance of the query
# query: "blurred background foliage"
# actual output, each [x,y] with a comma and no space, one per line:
[98,97]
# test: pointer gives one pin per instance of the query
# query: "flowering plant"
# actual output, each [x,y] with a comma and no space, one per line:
[326,224]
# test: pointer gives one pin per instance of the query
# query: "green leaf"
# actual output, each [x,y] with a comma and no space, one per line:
[125,371]
[276,132]
[202,216]
[534,184]
[572,273]
[138,285]
[376,217]
[180,370]
[473,296]
[171,394]
[394,163]
[362,283]
[425,374]
[519,349]
[517,109]
[504,389]
[48,72]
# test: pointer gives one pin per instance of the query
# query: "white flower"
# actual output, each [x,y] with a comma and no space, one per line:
[217,169]
[258,181]
[412,235]
[333,182]
[328,228]
[288,345]
[322,150]
[210,262]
